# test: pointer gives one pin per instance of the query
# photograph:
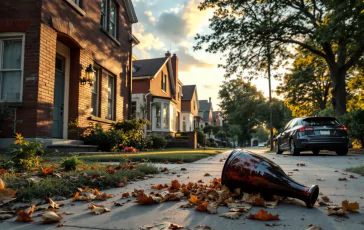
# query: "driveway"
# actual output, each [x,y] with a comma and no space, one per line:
[292,216]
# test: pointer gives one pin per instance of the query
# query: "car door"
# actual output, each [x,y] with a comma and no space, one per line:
[285,135]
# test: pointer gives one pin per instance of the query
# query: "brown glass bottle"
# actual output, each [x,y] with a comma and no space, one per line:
[253,173]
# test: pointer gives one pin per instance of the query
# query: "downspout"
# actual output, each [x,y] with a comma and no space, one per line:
[130,75]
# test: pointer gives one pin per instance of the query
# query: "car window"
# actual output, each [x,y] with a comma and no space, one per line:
[320,121]
[288,125]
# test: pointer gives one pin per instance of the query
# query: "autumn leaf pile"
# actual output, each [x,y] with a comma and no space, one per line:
[208,198]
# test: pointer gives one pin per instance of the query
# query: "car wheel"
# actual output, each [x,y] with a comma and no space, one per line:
[278,151]
[342,152]
[315,151]
[292,148]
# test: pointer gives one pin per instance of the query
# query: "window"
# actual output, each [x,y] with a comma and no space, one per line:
[194,105]
[11,68]
[109,13]
[77,2]
[164,82]
[133,108]
[158,115]
[110,98]
[165,116]
[95,93]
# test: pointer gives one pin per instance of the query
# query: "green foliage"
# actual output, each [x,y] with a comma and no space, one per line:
[306,87]
[261,133]
[328,112]
[25,152]
[121,134]
[71,163]
[200,137]
[251,32]
[155,141]
[211,129]
[147,168]
[354,121]
[357,169]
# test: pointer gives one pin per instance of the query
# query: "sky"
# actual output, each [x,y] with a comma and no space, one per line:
[171,25]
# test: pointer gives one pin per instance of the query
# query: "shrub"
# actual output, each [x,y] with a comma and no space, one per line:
[25,152]
[354,121]
[71,163]
[200,137]
[156,142]
[147,168]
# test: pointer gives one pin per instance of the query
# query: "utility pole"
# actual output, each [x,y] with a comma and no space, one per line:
[270,97]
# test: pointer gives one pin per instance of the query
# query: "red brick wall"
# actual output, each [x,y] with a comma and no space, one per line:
[88,43]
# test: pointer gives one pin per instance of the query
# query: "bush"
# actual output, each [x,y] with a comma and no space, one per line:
[354,121]
[156,142]
[200,137]
[25,152]
[71,163]
[105,140]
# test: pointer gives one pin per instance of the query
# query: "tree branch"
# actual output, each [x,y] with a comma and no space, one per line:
[353,59]
[303,45]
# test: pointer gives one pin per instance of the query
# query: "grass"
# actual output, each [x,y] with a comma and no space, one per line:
[357,169]
[186,156]
[93,175]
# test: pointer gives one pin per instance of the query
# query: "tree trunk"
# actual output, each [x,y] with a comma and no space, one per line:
[338,90]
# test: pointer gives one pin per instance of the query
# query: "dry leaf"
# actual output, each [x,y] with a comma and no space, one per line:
[50,217]
[144,199]
[207,174]
[320,179]
[125,194]
[301,164]
[263,215]
[194,200]
[165,162]
[231,215]
[175,184]
[102,196]
[180,162]
[353,177]
[25,216]
[6,194]
[236,207]
[350,207]
[315,228]
[80,198]
[118,203]
[183,169]
[325,198]
[53,204]
[47,171]
[271,204]
[202,207]
[98,210]
[295,170]
[212,208]
[343,179]
[259,202]
[203,227]
[335,210]
[188,205]
[200,181]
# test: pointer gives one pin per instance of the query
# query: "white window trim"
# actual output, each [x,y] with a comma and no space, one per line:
[112,98]
[22,36]
[154,114]
[104,25]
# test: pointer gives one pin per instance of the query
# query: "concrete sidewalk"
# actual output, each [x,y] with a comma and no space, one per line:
[131,215]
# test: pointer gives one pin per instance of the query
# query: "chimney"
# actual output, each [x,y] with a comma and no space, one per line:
[174,61]
[168,54]
[210,100]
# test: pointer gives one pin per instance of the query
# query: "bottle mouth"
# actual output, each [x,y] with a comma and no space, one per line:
[311,196]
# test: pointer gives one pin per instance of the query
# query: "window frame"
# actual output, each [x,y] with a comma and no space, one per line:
[98,75]
[107,14]
[165,115]
[14,36]
[104,24]
[133,106]
[77,2]
[112,97]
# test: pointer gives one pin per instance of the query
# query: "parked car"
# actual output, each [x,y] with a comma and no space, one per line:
[261,144]
[314,134]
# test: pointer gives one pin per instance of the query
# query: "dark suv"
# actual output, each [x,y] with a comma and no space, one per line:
[315,134]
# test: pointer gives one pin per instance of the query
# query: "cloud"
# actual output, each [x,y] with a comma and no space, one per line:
[147,40]
[210,86]
[150,15]
[187,61]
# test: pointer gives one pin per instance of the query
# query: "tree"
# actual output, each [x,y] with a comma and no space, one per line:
[331,29]
[211,129]
[306,88]
[261,134]
[241,105]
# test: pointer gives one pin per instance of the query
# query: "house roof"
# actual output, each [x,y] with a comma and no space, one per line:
[148,67]
[187,91]
[130,11]
[204,105]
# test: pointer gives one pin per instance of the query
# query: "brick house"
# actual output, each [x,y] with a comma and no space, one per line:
[157,93]
[47,47]
[190,118]
[217,118]
[205,111]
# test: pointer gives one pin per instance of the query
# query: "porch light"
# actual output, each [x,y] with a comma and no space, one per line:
[89,78]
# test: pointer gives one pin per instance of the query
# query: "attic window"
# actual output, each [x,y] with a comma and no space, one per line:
[164,82]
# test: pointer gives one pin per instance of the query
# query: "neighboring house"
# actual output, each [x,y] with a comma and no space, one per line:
[205,111]
[157,93]
[217,118]
[190,118]
[49,51]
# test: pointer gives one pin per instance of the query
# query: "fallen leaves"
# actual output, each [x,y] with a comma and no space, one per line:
[47,171]
[263,215]
[6,194]
[89,194]
[194,200]
[350,207]
[301,164]
[98,209]
[231,215]
[25,216]
[353,177]
[125,195]
[346,206]
[183,169]
[50,217]
[202,206]
[207,174]
[320,179]
[145,199]
[53,204]
[342,179]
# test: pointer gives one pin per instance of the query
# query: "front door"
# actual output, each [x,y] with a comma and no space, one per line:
[57,127]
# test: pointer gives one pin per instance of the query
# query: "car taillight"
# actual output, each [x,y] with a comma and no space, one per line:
[342,127]
[305,129]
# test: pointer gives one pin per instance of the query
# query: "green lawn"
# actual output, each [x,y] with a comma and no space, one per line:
[358,170]
[186,155]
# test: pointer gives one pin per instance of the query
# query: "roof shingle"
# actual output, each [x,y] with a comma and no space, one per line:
[187,91]
[148,67]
